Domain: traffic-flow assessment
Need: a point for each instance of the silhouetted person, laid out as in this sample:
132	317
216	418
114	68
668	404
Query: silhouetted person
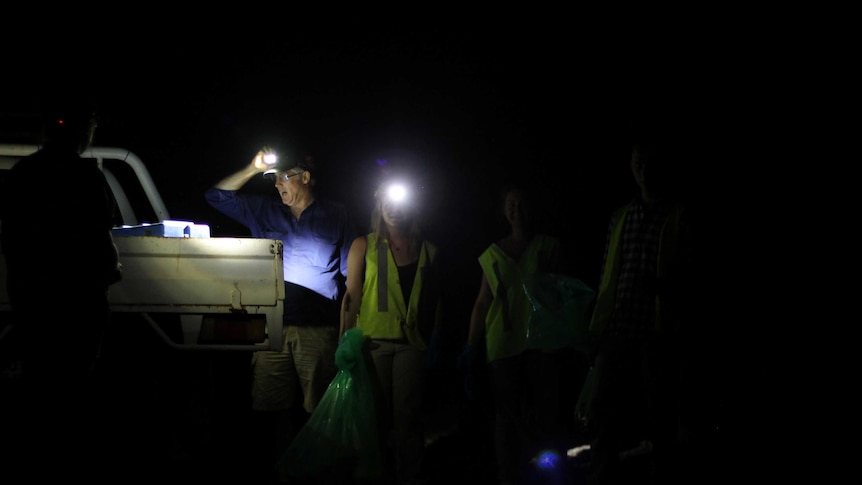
57	215
499	322
636	320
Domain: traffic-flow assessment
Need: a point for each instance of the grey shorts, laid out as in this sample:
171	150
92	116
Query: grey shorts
302	369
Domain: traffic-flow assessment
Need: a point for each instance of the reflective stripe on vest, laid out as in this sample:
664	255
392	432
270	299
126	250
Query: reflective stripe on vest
382	278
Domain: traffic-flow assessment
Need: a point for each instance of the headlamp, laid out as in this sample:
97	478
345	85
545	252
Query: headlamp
270	159
396	193
276	163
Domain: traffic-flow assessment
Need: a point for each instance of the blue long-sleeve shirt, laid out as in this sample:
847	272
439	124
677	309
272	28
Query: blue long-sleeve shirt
315	249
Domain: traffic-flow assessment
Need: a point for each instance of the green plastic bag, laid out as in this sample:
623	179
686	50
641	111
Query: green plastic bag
338	443
561	311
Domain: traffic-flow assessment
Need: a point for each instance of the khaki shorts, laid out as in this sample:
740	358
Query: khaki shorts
302	370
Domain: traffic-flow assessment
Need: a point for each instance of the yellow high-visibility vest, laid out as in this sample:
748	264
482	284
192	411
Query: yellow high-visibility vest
509	314
384	313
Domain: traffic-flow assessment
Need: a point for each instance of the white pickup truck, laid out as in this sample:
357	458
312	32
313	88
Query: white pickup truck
195	291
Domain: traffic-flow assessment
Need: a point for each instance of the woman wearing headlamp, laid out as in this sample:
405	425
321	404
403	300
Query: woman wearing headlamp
393	295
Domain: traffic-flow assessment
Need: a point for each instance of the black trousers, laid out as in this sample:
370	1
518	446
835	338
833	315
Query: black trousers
634	398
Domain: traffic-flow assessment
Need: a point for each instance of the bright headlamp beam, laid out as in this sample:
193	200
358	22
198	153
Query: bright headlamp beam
396	193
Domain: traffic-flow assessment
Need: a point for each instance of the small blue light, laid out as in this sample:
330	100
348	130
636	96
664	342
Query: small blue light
548	460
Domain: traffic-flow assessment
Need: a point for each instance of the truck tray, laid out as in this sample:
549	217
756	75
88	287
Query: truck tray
198	277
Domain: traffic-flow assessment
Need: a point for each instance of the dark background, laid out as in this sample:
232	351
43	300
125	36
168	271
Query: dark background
458	107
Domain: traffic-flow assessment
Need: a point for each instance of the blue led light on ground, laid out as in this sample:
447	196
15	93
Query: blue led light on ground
548	460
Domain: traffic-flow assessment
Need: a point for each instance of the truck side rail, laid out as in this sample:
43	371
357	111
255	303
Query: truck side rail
143	176
11	153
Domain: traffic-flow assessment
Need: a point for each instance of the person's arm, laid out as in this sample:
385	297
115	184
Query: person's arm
355	278
350	234
480	311
236	180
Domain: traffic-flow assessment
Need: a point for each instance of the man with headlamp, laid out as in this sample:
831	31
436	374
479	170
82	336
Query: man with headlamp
316	234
